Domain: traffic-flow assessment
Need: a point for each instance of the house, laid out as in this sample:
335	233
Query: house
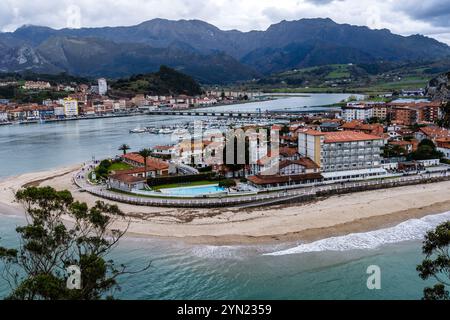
288	172
125	182
36	85
443	145
358	126
432	133
329	126
155	167
276	181
163	151
408	146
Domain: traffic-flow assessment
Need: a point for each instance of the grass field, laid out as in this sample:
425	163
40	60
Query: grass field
117	166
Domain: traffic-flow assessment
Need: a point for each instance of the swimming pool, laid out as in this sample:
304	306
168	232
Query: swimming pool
193	191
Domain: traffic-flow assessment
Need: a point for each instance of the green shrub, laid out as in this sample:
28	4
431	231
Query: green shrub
227	183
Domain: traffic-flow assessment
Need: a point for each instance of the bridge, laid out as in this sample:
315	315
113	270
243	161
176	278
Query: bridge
238	114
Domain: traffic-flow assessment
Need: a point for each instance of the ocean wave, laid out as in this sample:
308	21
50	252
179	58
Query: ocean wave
413	229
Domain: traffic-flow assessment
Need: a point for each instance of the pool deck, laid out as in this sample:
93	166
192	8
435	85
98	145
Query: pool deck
297	194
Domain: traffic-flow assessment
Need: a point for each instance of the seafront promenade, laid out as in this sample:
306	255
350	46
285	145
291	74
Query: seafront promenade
264	197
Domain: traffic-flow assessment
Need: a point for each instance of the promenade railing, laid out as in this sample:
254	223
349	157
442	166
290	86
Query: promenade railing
80	179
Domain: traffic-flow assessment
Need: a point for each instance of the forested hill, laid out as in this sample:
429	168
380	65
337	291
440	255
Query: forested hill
166	81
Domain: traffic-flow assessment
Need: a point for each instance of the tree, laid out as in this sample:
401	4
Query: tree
102	169
393	151
145	153
284	130
229	183
124	148
437	262
48	246
426	150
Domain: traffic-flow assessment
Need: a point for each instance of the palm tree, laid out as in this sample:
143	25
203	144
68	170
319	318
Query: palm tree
145	153
124	148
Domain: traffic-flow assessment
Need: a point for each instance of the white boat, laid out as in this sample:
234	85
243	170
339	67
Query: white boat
138	130
165	131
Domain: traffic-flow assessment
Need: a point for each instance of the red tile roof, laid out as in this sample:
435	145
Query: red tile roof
153	163
305	162
288	152
434	132
312	132
127	178
348	136
163	147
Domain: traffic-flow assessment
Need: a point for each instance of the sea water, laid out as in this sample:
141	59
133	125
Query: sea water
333	268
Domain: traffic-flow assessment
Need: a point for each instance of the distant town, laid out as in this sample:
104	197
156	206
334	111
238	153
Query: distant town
84	101
360	138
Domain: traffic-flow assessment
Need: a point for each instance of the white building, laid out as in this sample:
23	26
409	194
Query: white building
70	107
342	150
59	111
102	86
3	116
357	112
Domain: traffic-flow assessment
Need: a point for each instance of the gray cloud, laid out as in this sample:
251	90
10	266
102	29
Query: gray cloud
435	12
430	17
321	2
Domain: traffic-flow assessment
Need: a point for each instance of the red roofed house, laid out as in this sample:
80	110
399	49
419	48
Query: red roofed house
155	167
289	172
374	129
126	182
443	145
409	146
432	133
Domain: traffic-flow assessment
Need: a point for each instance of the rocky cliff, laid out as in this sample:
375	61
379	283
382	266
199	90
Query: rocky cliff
439	87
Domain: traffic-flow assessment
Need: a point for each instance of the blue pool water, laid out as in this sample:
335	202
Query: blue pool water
193	191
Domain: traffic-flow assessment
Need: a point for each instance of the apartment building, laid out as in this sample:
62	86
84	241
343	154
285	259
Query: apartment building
411	113
341	150
70	107
357	112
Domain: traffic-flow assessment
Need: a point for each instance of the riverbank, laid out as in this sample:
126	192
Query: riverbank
324	218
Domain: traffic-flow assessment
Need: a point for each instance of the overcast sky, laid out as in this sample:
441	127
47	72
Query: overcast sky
406	17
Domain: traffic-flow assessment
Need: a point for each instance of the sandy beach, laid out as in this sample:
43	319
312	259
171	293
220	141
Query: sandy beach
333	216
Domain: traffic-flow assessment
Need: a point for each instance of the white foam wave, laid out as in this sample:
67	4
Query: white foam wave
413	229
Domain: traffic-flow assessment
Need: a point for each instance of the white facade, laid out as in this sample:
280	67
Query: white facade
70	107
357	113
352	155
3	116
59	111
429	162
102	86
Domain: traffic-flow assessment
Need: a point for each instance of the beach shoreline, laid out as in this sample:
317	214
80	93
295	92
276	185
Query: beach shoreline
303	222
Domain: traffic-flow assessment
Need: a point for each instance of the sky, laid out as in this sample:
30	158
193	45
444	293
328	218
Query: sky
406	17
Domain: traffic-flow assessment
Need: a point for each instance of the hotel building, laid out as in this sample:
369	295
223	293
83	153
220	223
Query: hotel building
343	154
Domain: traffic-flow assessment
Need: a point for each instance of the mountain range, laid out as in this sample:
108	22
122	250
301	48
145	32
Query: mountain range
204	51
